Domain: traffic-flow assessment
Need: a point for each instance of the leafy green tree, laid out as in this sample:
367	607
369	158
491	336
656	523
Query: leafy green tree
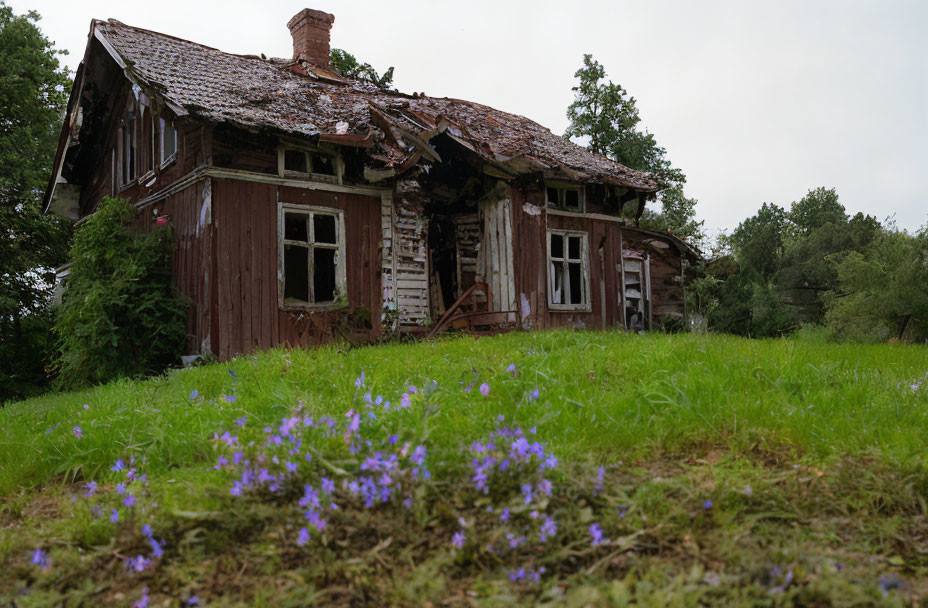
348	66
882	292
33	93
605	116
121	315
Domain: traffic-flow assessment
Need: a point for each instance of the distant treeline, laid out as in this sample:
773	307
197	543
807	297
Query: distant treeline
813	268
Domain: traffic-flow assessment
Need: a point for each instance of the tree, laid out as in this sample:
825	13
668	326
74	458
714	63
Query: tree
348	66
121	314
33	93
882	291
605	116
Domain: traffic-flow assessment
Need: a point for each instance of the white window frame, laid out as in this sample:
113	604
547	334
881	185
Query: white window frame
561	189
341	282
165	159
586	304
283	148
127	156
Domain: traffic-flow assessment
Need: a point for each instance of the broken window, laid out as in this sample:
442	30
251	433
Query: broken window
146	155
569	198
168	136
126	147
568	271
312	255
301	162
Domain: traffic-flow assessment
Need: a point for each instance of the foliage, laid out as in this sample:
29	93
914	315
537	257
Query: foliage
606	116
882	291
121	315
33	92
787	264
348	66
713	450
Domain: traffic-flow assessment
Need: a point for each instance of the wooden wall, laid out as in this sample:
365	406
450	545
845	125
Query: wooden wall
530	224
246	313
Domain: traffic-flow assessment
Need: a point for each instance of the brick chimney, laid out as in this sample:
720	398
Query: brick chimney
310	30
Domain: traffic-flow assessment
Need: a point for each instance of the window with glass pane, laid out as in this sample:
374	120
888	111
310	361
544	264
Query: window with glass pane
311	256
567	274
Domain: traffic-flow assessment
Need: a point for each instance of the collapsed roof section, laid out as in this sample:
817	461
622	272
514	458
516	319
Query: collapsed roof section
295	98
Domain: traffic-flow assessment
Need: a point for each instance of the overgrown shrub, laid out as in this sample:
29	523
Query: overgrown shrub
120	315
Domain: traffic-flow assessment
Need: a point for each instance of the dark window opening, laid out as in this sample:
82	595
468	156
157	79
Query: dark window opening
295	227
552	195
557	246
557	296
576	286
573	247
296	273
324	229
295	160
323	164
572	199
324	274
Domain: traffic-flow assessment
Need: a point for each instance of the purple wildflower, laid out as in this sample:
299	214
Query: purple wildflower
40	559
78	432
236	489
118	466
229	398
597	533
138	563
156	550
146	530
418	455
91	487
458	539
120	488
599	480
527	492
359	382
86	407
237	457
707	505
533	396
302	537
354	420
485	389
194	600
328	486
504	516
129	500
548	529
194	394
114	516
511	369
51	429
143	601
221	462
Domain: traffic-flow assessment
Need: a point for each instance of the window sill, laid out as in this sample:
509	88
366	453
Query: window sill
126	186
569	308
315	177
307	307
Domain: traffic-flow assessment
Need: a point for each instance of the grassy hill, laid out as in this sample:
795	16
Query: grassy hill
562	468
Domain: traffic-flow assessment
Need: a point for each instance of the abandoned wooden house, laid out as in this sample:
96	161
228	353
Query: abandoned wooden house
307	205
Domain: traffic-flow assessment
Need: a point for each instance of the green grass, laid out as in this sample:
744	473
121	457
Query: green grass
830	439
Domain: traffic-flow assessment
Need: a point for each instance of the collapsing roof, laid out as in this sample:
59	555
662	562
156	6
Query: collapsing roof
297	98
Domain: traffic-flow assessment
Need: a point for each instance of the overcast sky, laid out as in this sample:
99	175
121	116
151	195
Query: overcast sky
754	101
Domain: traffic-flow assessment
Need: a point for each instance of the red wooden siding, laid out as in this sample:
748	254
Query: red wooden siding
247	315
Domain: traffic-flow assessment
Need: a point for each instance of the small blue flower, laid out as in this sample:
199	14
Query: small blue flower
302	537
458	539
194	394
241	421
40	559
597	533
707	505
146	530
118	466
114	516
